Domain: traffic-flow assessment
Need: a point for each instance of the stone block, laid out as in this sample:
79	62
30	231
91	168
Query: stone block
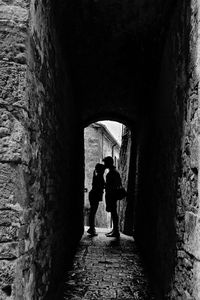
190	224
192	234
21	3
9	250
13	139
24	278
14	44
13	192
187	296
194	150
7	277
7	273
8	234
180	254
187	263
9	217
196	280
13	85
13	14
13	32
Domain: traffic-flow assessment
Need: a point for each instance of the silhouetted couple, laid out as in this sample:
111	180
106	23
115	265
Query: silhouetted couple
112	183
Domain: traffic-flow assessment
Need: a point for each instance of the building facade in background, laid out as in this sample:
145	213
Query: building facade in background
99	143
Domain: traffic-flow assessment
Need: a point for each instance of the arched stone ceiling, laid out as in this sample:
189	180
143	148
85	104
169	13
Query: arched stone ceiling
112	48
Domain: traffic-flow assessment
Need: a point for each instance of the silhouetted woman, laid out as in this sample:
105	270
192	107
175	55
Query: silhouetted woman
96	195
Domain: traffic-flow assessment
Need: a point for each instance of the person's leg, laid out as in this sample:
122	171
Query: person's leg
111	231
108	209
115	219
93	210
108	233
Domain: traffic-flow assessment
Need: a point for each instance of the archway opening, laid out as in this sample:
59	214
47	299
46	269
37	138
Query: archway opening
107	138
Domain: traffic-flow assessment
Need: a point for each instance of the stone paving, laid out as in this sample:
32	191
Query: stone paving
106	268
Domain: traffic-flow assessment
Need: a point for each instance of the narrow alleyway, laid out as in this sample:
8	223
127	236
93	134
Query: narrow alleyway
104	268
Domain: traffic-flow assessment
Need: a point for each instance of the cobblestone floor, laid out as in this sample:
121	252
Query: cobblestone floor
104	268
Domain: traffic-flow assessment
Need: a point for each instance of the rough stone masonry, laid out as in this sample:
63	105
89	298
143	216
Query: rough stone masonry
35	215
16	233
31	160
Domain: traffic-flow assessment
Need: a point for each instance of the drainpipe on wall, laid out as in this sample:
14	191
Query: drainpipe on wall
118	205
113	146
102	144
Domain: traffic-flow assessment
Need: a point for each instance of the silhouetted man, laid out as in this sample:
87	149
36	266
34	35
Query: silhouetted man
113	182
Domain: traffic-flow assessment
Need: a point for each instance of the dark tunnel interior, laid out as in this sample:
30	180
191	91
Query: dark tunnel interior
66	64
124	62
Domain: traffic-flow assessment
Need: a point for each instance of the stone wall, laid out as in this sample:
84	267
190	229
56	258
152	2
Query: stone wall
187	265
15	235
168	204
40	203
56	177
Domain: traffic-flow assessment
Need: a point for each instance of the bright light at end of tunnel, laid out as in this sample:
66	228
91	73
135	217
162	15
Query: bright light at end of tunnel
115	129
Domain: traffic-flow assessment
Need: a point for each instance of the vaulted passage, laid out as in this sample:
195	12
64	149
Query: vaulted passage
63	65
